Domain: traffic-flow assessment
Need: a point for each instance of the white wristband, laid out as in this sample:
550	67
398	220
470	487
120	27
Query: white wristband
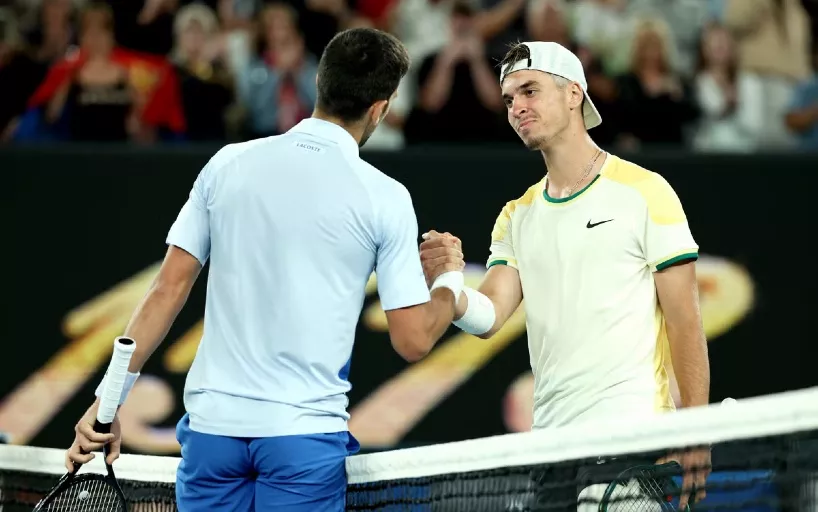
130	380
452	280
479	316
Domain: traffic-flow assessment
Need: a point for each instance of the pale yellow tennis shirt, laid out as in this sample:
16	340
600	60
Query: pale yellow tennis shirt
596	332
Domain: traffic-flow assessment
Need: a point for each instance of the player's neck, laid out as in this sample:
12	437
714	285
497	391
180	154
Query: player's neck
567	162
356	131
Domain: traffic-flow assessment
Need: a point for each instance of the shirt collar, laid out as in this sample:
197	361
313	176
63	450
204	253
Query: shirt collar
328	131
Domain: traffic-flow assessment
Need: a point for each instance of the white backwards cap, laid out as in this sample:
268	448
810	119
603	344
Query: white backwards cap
557	60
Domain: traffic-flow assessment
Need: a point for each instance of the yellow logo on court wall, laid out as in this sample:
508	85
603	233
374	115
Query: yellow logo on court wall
382	419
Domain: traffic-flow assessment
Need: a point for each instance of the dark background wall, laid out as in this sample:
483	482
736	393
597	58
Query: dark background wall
85	227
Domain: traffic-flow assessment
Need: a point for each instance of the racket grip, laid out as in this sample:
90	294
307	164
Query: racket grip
114	381
101	428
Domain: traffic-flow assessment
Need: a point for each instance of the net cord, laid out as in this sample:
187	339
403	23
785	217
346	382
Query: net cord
771	415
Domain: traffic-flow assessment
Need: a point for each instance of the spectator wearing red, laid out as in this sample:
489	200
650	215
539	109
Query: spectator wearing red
103	92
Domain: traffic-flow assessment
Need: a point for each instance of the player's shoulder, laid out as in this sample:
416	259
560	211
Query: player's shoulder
229	153
522	202
650	185
382	186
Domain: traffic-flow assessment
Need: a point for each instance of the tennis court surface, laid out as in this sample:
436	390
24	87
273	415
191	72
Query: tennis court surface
764	459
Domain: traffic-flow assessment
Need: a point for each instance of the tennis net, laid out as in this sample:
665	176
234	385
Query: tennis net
764	459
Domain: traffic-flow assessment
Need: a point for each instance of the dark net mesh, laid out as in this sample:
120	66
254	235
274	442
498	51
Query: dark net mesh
21	491
762	473
765	474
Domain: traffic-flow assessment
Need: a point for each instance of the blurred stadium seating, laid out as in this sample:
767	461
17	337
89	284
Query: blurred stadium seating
708	75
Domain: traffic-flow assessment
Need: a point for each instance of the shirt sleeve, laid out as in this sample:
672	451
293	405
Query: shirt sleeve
400	275
502	245
191	230
668	239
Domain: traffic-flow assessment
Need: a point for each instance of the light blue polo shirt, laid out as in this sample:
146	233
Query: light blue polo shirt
293	226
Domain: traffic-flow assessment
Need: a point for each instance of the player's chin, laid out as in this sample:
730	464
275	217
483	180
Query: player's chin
532	143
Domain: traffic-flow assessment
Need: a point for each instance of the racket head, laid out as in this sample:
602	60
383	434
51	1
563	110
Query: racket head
643	488
89	492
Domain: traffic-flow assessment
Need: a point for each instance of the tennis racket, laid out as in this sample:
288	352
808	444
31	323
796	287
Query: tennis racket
93	492
645	488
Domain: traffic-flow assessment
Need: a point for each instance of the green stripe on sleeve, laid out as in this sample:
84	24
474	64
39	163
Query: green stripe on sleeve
693	256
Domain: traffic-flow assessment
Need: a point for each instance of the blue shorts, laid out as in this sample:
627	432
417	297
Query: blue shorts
282	474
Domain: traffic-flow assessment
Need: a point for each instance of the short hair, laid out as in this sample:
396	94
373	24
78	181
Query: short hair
359	67
520	51
517	52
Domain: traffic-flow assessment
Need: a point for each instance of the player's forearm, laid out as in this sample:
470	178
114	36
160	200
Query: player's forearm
153	318
415	338
688	349
439	316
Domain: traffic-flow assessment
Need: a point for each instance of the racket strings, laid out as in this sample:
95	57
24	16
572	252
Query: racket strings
642	493
91	495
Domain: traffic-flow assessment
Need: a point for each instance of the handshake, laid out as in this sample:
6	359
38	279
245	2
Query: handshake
440	253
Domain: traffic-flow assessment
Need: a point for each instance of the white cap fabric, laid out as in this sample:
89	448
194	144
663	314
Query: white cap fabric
556	59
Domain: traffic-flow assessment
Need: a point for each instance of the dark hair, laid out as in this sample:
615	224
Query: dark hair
518	52
359	67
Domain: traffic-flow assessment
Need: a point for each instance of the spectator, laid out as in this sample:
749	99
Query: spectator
278	88
20	74
773	39
104	80
98	98
203	77
459	94
686	19
657	103
717	94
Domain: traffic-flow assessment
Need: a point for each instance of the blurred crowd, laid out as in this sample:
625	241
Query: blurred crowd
712	75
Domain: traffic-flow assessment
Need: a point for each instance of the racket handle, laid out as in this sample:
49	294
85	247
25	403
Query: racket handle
114	380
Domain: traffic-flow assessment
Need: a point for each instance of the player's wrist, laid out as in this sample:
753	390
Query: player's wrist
452	280
479	315
130	380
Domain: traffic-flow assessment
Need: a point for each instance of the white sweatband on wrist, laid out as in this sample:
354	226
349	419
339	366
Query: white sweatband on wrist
479	316
130	380
452	280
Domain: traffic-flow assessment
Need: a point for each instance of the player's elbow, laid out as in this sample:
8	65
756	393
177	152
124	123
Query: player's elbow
412	346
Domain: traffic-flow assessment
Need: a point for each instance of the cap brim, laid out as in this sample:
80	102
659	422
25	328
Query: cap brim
590	114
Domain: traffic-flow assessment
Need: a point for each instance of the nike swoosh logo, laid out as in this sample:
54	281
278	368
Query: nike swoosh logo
595	224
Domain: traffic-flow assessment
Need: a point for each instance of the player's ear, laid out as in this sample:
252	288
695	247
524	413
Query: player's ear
378	110
575	96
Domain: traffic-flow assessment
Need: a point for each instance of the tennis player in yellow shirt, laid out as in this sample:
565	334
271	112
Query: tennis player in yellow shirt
601	250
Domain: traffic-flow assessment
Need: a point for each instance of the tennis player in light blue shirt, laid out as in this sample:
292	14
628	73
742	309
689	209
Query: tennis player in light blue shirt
293	226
